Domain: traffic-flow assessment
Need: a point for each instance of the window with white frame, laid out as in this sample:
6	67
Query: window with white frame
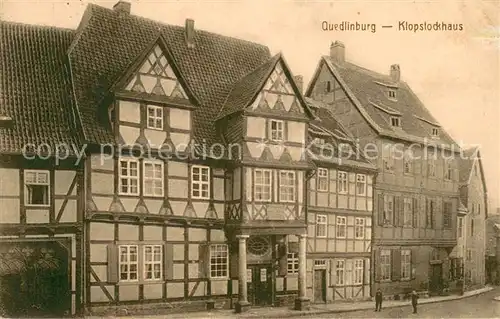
262	185
153	262
128	262
322	179
388	209
385	264
293	263
37	188
342	182
358	271
460	227
200	182
340	272
155	117
360	184
219	263
359	228
287	186
153	178
408	212
320	263
277	130
321	225
129	176
341	227
388	157
405	264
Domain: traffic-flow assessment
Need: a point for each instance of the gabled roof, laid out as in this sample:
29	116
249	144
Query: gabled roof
368	92
35	90
107	43
467	160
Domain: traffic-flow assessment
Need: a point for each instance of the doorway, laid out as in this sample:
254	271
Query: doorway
320	285
259	285
436	278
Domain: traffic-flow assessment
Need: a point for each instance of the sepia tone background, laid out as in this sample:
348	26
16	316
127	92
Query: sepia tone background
456	74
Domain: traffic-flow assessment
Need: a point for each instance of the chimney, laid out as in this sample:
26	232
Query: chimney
395	72
299	80
122	7
190	33
337	52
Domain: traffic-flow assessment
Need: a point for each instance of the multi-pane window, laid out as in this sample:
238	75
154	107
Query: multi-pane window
448	174
408	212
292	263
388	158
429	216
405	264
321	225
392	94
385	264
360	184
262	185
219	261
200	182
408	163
340	272
342	182
276	130
341	227
287	186
446	215
128	263
153	178
129	177
320	263
388	209
37	184
359	228
456	268
322	179
358	272
155	117
395	121
460	227
153	262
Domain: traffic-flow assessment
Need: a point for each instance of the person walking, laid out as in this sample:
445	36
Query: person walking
414	300
378	300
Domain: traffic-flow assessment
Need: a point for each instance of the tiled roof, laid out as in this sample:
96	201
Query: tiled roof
466	163
370	90
34	88
107	43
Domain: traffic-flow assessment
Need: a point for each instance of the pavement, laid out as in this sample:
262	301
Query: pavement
364	309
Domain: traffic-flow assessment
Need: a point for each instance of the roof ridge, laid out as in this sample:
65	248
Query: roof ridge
36	26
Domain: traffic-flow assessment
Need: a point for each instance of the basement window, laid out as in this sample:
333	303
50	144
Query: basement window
395	121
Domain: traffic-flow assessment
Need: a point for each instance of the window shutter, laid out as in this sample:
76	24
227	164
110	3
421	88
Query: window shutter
413	259
396	264
204	260
113	267
380	209
283	260
395	210
333	272
169	261
377	265
415	213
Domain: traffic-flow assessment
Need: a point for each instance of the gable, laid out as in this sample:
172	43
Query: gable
156	76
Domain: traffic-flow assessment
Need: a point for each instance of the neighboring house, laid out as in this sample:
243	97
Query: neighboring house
492	255
458	254
416	198
340	213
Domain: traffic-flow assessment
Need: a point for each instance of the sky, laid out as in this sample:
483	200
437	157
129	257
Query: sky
455	73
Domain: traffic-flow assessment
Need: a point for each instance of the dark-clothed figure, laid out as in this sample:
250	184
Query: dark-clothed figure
414	301
378	300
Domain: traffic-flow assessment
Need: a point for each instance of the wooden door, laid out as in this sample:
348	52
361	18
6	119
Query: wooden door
436	278
320	285
259	287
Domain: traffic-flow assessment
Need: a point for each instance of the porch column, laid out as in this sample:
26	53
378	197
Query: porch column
242	304
302	303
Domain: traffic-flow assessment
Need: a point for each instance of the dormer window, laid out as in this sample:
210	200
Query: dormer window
395	122
435	132
392	94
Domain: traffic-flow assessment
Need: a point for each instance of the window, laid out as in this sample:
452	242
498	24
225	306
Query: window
342	183
360	184
479	209
129	177
358	271
385	264
431	167
456	268
287	186
408	212
322	179
153	178
472	227
37	184
128	263
153	262
388	209
293	263
200	182
395	121
469	255
435	132
340	273
448	175
429	216
155	117
460	227
408	163
276	130
320	263
446	215
359	229
218	261
328	86
392	94
405	264
321	225
388	158
341	227
262	184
